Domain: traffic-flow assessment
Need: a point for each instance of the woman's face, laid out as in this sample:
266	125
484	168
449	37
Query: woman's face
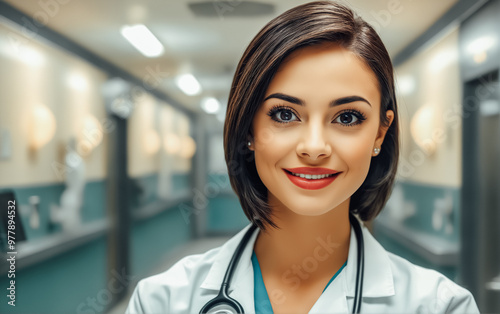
322	114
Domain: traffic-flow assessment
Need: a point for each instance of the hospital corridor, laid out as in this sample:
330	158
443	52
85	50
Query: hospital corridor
148	147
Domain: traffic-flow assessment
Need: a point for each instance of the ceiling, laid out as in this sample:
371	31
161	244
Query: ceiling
208	47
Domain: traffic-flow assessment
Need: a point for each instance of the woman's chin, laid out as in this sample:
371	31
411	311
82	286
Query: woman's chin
312	211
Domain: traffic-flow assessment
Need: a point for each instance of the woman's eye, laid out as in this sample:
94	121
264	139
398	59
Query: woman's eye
284	115
349	118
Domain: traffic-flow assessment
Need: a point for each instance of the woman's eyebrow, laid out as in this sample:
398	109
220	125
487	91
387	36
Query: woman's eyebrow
333	103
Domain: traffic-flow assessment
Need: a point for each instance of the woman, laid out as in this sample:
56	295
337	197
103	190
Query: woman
310	138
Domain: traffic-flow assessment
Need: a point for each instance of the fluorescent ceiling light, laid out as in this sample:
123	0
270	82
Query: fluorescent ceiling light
188	84
210	105
480	45
143	40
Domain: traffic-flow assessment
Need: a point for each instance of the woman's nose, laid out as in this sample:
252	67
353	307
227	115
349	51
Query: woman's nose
314	144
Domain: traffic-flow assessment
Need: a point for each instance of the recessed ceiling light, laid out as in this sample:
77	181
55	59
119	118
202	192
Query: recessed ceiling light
143	40
480	44
479	47
188	84
210	105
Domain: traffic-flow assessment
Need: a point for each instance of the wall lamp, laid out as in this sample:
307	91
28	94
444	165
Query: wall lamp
42	126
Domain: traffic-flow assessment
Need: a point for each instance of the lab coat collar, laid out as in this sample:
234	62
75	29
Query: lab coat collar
241	286
378	277
216	274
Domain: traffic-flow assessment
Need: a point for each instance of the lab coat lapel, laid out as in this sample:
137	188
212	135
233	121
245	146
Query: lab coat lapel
241	286
337	298
378	278
242	289
333	299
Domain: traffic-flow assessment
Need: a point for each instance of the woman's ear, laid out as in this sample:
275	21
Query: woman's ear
250	145
382	130
249	142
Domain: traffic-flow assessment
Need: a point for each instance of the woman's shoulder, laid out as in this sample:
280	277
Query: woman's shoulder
153	294
158	293
430	290
184	269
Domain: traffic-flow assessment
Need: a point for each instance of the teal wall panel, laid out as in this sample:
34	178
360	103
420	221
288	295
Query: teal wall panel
48	194
226	215
144	189
423	197
63	283
67	283
93	207
181	182
95	201
153	239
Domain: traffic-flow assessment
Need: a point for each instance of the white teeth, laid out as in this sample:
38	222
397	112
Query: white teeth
312	176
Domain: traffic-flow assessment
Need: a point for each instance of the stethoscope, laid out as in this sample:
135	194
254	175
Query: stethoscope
224	304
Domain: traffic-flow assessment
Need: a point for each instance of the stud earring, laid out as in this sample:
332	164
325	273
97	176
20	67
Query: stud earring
376	150
249	143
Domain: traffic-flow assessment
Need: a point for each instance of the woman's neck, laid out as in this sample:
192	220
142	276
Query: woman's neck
305	249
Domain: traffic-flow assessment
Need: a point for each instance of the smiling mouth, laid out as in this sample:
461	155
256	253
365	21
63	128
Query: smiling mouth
311	181
312	176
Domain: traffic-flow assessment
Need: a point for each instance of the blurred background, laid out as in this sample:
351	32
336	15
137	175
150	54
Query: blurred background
111	155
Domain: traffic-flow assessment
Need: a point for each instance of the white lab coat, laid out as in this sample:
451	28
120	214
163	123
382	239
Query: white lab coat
391	284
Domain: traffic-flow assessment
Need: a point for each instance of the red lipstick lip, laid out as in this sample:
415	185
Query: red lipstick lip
310	170
310	184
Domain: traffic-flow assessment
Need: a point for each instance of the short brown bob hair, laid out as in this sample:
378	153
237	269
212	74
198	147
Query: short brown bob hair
305	25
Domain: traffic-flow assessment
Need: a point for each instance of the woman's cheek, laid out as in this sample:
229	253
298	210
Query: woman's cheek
355	151
274	139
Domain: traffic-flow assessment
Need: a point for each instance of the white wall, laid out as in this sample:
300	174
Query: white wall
431	78
35	73
148	127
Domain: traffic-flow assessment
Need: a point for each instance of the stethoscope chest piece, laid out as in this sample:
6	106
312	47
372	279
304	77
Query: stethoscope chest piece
222	309
222	304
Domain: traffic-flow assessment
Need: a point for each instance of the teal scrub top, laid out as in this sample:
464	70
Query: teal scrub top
261	298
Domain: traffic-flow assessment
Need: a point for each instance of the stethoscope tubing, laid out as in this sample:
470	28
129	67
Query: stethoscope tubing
358	292
223	297
223	303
